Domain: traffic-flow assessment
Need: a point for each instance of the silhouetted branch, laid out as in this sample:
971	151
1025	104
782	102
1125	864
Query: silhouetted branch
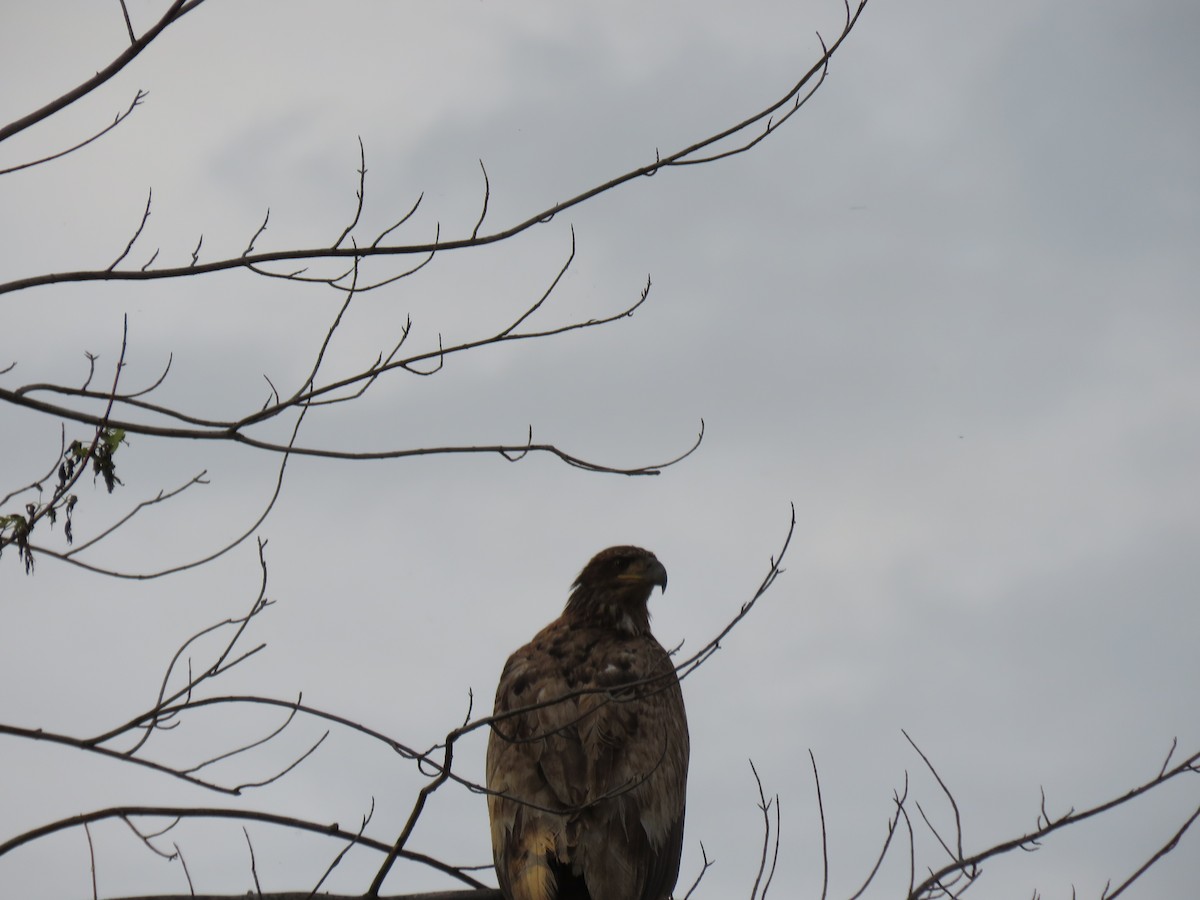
177	10
331	829
770	841
941	881
824	834
692	154
120	117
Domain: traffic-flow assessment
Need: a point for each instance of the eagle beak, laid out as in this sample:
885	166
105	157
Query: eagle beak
651	572
656	573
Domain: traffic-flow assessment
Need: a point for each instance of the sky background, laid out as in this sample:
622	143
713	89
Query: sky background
949	312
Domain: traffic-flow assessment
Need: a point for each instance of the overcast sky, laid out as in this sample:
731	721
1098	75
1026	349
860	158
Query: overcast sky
949	312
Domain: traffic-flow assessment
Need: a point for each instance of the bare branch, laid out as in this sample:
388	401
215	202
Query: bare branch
160	497
969	863
253	863
692	154
361	193
136	234
177	10
487	195
92	856
332	830
824	833
120	117
1159	854
342	853
194	267
765	806
186	873
128	23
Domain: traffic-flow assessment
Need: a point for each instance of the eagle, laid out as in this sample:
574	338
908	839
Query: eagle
588	751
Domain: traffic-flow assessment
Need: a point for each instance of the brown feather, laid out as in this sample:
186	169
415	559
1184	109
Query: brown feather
588	789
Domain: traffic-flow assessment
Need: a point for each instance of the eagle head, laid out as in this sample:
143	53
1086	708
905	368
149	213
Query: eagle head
615	586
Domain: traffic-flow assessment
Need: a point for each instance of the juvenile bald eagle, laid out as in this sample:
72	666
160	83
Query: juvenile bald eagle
588	775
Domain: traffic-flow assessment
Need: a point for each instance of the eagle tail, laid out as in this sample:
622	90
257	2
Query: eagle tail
531	876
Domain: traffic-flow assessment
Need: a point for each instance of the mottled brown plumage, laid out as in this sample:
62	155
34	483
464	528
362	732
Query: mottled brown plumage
588	788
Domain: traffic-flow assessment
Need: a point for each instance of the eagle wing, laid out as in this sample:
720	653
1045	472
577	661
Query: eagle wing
589	787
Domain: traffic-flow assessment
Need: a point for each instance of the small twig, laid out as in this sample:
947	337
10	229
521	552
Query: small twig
160	497
136	234
824	833
128	23
765	806
487	195
120	117
1159	854
899	799
342	853
92	856
705	863
360	194
250	246
186	873
949	796
253	863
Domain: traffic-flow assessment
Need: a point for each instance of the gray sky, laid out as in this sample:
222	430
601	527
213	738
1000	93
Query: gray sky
949	312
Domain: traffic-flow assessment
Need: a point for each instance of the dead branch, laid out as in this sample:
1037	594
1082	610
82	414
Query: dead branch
177	10
941	882
741	135
331	830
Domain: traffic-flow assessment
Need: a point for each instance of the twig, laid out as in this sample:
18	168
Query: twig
253	863
824	833
331	830
92	857
793	99
120	117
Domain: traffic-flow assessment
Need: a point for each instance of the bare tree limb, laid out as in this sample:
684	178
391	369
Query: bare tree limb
177	10
689	155
120	117
331	830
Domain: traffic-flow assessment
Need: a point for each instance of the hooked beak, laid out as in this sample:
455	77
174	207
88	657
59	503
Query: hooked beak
652	572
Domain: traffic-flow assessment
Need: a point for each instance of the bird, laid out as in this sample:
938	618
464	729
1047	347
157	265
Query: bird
588	748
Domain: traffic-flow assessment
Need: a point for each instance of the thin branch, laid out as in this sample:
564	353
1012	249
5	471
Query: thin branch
765	806
899	799
152	716
36	485
147	837
408	215
360	194
92	857
195	563
186	873
253	863
1159	854
824	833
332	830
487	195
231	753
160	497
949	796
249	246
128	23
177	10
120	117
690	154
704	866
1188	766
136	234
39	734
342	853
